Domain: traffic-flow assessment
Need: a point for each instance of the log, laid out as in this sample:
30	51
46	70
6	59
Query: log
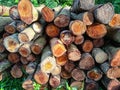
48	62
27	12
26	35
104	13
95	74
31	67
57	10
47	14
69	66
105	67
77	84
14	57
37	27
79	39
114	22
64	74
62	60
81	5
31	58
11	43
24	60
86	17
13	13
87	46
54	81
96	31
78	74
73	53
77	27
4	10
25	50
4	21
63	18
56	70
20	26
16	71
86	62
38	45
52	30
5	35
3	75
98	42
11	28
57	47
99	55
113	72
66	37
3	56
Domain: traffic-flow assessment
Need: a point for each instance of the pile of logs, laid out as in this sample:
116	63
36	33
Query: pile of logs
80	43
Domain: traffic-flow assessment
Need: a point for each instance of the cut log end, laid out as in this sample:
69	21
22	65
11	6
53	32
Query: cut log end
79	39
23	37
98	42
36	49
28	85
14	57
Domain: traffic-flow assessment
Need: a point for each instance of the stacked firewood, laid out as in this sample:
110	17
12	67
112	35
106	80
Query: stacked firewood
78	43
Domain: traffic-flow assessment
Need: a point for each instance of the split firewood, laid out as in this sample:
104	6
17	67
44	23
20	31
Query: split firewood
12	43
77	84
25	50
16	71
86	17
48	62
14	57
28	83
28	13
77	27
79	39
99	55
86	62
78	74
11	28
63	18
3	56
113	73
26	35
52	30
81	5
105	67
96	31
47	14
115	21
66	37
74	53
98	42
65	74
54	81
57	47
4	21
4	10
62	60
24	60
14	13
104	13
95	74
56	70
30	68
87	46
20	26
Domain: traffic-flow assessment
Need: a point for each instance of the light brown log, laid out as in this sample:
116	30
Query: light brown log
13	57
64	74
115	21
74	53
11	28
95	74
57	47
52	30
13	11
66	37
11	43
78	74
47	14
86	17
54	81
113	73
96	31
26	35
31	58
77	84
104	13
27	11
56	70
16	71
41	77
25	50
77	27
86	62
69	66
98	42
38	45
48	62
4	10
31	67
79	39
63	18
20	26
62	59
99	55
37	27
24	60
3	56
